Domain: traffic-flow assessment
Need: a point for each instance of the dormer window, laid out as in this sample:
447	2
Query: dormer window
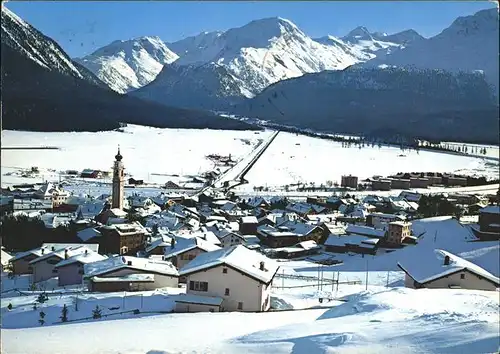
224	270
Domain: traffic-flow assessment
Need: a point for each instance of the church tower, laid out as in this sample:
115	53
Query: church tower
118	182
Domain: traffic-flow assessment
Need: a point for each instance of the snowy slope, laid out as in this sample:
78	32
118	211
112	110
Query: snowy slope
35	46
253	57
382	101
128	65
469	43
378	321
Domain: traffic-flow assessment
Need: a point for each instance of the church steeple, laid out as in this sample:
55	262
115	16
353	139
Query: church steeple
118	182
118	156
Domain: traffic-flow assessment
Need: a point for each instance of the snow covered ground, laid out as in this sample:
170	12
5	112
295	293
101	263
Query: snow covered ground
290	158
395	320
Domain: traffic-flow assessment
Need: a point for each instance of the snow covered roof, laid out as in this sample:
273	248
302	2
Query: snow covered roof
112	264
88	233
491	209
205	235
336	240
238	257
83	257
434	268
199	299
249	220
183	244
5	257
364	230
308	245
298	227
163	241
142	278
386	216
61	252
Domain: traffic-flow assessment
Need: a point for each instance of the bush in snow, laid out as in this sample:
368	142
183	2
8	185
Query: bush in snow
42	298
42	316
64	314
9	306
96	313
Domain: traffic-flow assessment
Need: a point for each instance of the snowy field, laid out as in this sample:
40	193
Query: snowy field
290	158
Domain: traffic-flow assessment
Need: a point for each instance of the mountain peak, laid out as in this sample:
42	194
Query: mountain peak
359	31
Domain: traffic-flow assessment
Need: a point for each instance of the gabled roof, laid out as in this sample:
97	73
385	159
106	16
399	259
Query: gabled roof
88	233
61	252
183	244
434	268
5	257
83	258
112	264
237	257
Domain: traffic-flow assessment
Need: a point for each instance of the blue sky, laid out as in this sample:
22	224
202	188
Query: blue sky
82	27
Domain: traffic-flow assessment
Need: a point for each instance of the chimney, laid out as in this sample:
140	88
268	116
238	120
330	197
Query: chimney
129	263
53	248
447	260
66	254
43	250
86	251
172	243
261	267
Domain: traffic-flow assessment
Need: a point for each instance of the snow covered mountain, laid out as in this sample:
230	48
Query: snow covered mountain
469	44
43	89
33	45
365	45
426	103
253	57
129	65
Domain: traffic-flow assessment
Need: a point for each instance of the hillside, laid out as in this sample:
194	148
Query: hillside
423	103
43	89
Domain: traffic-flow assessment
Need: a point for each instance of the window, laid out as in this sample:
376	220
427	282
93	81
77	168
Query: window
226	292
191	257
240	306
224	270
462	276
80	271
53	261
54	270
198	285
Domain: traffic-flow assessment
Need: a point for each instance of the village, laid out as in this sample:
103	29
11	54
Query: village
213	251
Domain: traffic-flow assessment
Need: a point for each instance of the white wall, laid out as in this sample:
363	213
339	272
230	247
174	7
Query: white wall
43	270
241	288
160	281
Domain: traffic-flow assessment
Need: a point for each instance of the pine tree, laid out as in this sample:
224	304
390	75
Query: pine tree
9	306
42	298
42	316
64	314
96	313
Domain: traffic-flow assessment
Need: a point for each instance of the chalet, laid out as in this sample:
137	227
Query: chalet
43	267
88	173
275	238
53	193
124	273
70	270
182	250
352	243
159	245
365	231
20	261
241	277
123	239
447	270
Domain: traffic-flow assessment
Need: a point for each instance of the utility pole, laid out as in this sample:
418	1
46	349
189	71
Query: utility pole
387	283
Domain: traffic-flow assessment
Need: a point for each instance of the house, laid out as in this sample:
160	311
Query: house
489	219
89	234
70	271
125	273
257	202
238	275
89	210
182	250
349	182
419	182
159	245
397	232
112	216
54	193
248	225
136	201
400	183
124	239
351	243
21	261
43	267
410	196
89	173
302	249
380	220
230	238
365	231
446	270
